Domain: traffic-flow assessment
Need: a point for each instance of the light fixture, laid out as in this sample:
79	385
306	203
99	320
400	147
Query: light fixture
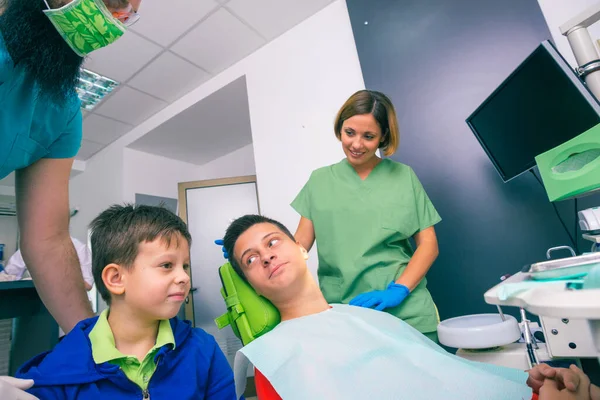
92	87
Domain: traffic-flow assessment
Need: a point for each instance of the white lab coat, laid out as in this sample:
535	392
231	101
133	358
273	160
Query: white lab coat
16	265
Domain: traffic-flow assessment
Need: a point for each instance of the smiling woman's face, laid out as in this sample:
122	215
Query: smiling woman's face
361	136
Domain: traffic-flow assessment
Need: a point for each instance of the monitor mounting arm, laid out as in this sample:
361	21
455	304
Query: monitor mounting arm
583	47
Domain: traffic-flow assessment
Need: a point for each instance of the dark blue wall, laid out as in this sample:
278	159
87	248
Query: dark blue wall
438	60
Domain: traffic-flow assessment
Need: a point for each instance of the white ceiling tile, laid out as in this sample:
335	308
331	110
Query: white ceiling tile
216	125
273	17
123	58
130	106
103	130
173	20
88	149
169	77
218	42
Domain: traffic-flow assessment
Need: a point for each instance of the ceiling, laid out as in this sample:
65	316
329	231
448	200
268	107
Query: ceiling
175	47
218	124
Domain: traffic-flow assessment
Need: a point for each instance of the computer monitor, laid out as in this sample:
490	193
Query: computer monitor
541	105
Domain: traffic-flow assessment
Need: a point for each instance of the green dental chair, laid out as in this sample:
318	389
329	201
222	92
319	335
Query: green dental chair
249	314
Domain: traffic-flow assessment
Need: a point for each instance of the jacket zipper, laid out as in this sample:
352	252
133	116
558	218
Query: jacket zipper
146	392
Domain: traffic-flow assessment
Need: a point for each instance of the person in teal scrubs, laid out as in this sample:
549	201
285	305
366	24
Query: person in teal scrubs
362	212
42	46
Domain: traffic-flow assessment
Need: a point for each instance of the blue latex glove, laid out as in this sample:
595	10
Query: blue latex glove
382	299
219	242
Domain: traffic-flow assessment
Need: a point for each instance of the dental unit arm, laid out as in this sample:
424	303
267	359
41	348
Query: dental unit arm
583	47
588	61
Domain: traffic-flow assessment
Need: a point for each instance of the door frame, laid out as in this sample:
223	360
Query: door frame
182	188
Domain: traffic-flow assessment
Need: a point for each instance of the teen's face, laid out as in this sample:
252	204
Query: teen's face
270	260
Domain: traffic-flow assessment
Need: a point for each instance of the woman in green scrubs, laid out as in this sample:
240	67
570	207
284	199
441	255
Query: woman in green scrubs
362	212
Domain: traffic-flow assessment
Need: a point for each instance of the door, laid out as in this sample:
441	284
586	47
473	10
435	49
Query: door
208	207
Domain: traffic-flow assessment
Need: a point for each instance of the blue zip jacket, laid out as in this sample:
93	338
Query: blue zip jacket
195	369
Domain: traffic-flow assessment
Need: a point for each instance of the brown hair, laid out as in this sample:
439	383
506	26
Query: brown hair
382	109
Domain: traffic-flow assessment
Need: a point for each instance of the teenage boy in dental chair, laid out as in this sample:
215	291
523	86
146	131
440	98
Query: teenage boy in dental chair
345	352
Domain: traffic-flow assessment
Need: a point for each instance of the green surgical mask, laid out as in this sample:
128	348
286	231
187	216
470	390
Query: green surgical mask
86	25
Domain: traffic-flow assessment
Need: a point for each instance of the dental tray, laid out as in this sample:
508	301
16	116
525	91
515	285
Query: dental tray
564	268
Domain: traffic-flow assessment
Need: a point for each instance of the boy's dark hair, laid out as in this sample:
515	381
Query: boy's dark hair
241	225
118	231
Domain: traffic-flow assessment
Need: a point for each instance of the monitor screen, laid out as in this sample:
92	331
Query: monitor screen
541	105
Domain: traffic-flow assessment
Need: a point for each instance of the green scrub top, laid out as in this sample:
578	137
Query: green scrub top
362	229
31	126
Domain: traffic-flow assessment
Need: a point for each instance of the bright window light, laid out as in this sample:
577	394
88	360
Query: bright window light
92	87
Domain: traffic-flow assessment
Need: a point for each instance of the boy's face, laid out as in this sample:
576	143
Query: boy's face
271	261
158	282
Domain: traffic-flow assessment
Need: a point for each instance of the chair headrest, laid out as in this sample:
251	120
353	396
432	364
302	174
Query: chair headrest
249	314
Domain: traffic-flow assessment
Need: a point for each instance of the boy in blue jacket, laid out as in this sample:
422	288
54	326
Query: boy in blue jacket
137	348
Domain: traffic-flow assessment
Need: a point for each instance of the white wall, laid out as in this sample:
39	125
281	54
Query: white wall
296	84
158	176
237	163
8	235
6	190
100	186
119	174
557	12
153	175
316	65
